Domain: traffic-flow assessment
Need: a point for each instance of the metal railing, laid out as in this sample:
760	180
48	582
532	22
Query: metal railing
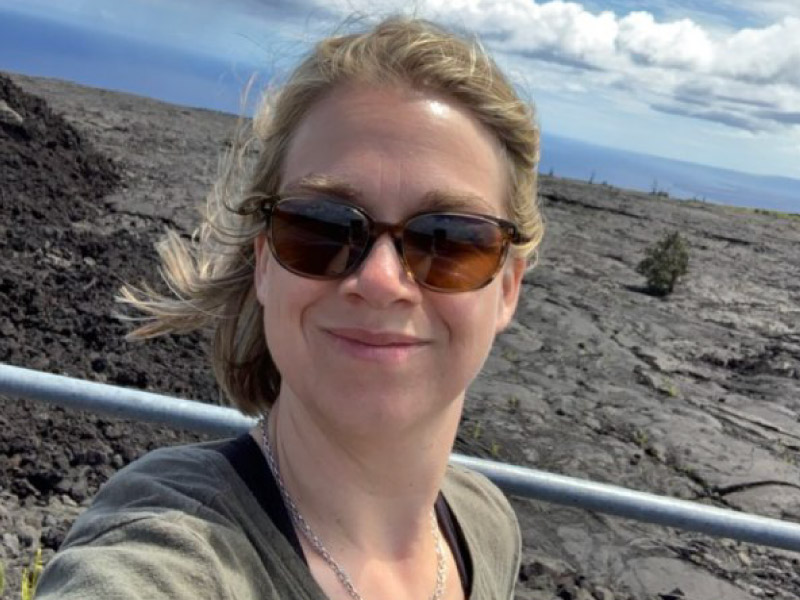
514	480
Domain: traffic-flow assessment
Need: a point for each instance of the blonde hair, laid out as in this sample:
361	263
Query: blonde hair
211	279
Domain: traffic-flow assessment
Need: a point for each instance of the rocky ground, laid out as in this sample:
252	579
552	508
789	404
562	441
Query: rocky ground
694	396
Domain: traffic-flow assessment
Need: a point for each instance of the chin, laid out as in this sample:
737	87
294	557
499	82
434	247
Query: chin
381	413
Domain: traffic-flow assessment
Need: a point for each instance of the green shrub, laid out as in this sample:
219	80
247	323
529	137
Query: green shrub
664	263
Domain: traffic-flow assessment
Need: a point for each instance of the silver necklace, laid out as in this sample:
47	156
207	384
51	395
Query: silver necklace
319	547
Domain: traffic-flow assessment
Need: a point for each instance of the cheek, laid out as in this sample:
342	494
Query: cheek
471	323
284	298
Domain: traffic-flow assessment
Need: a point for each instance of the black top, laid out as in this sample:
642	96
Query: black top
248	461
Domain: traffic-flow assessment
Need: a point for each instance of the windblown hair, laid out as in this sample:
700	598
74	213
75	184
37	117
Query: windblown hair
212	278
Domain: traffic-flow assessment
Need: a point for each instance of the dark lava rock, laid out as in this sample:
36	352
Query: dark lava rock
700	388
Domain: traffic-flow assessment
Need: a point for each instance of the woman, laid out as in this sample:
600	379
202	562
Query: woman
355	285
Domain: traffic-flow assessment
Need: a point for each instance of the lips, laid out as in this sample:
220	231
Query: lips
376	338
383	348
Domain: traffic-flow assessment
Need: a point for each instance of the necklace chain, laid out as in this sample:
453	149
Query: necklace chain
319	547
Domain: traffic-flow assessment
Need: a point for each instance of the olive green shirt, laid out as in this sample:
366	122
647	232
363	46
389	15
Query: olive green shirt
180	523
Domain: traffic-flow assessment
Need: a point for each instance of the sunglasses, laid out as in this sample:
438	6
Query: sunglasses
322	238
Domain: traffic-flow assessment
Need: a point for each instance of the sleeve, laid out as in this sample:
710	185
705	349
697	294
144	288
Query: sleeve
144	558
508	538
492	528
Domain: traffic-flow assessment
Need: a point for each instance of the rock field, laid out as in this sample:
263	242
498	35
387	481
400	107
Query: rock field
694	396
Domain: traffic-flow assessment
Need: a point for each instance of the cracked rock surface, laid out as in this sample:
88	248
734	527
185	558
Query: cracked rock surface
694	396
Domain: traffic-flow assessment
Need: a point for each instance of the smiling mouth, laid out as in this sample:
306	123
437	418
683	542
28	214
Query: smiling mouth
376	339
386	348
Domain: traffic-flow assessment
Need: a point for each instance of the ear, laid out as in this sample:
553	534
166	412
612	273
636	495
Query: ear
511	284
262	255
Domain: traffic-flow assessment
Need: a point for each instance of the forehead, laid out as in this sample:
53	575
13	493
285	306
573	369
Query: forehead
395	148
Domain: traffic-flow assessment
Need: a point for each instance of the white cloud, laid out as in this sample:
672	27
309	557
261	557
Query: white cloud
742	78
741	69
555	31
771	54
680	44
567	32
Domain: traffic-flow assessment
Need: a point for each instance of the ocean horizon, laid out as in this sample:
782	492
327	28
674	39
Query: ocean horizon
575	159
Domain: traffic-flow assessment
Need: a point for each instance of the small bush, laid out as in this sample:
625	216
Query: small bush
664	263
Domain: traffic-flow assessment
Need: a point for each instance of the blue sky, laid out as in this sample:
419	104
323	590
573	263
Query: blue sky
715	82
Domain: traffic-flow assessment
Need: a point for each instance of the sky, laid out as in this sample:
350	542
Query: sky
715	82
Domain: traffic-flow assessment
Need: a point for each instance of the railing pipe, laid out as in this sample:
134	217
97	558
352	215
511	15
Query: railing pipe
514	480
640	506
121	402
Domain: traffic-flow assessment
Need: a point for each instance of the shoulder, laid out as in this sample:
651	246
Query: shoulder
185	479
159	526
177	523
477	496
490	529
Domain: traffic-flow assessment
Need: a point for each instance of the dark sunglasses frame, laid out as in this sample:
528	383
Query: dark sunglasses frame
375	229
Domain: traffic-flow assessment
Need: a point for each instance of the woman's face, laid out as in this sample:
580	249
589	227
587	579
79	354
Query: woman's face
374	353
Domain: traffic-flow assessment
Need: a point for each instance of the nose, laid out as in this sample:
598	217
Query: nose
381	279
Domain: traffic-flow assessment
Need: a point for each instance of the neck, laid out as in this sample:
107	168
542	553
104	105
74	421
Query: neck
346	485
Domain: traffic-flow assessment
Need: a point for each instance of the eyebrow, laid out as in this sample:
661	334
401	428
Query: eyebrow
433	200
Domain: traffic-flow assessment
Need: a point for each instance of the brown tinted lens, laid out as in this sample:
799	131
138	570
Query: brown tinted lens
453	252
317	238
